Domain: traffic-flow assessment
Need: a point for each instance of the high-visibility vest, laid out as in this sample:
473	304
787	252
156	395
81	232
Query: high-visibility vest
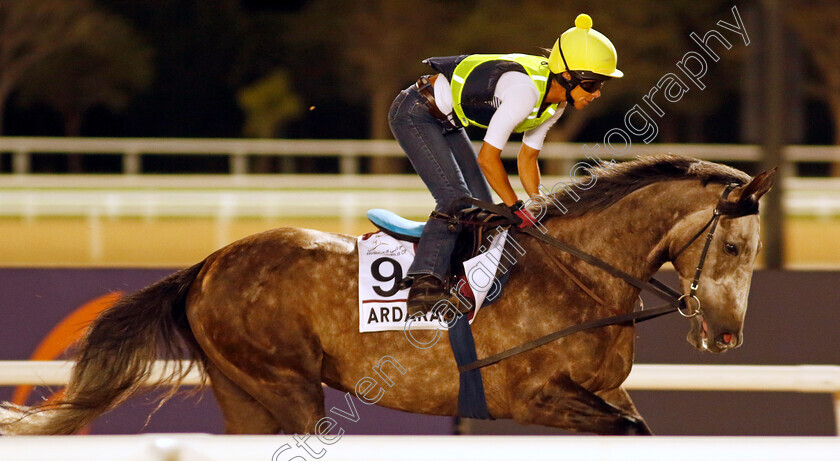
473	83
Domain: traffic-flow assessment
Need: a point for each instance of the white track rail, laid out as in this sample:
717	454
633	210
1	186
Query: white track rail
349	151
755	378
280	196
202	447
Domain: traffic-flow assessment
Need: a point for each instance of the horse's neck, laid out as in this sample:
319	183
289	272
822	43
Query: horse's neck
634	233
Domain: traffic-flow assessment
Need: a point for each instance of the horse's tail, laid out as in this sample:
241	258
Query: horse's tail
116	356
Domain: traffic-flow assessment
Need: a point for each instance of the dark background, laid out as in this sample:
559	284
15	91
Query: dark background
793	319
345	62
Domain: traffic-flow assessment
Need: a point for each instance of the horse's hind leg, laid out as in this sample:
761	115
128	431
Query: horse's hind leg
243	414
262	370
295	401
563	403
289	403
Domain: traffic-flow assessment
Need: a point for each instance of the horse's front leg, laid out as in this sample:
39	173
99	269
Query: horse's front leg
618	397
561	402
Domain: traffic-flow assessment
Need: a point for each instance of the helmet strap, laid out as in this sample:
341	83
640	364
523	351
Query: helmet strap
567	85
570	84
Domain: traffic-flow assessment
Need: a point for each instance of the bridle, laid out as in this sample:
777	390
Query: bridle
676	301
695	284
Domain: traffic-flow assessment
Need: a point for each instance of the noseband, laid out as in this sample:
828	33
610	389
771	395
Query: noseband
675	300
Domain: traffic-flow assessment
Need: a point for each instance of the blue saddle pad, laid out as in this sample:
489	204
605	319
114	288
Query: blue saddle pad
396	226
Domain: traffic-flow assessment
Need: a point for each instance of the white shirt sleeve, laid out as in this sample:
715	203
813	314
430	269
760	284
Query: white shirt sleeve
443	94
517	96
534	137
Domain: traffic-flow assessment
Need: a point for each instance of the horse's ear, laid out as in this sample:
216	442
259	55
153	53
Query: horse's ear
744	200
759	185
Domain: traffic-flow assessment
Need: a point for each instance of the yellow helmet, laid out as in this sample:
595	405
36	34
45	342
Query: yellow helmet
584	49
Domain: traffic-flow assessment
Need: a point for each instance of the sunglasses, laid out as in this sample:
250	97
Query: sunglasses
591	86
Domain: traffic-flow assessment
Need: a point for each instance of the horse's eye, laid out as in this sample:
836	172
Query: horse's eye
731	249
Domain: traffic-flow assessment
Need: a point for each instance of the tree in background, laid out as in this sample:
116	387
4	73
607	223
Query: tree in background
56	48
32	31
374	48
199	66
107	67
349	59
269	104
655	36
817	24
379	45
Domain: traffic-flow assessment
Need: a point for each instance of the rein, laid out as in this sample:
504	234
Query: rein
674	299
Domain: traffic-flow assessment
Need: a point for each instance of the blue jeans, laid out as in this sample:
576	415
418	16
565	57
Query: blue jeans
446	161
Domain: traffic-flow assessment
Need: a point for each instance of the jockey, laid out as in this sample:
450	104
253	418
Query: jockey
504	94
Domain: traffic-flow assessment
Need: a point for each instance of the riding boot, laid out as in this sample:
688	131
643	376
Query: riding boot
425	292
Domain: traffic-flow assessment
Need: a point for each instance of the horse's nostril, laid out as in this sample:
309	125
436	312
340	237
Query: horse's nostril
725	340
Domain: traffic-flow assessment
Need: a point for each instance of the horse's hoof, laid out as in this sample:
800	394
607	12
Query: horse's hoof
634	426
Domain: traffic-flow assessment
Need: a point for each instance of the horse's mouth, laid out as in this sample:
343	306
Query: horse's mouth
700	337
704	334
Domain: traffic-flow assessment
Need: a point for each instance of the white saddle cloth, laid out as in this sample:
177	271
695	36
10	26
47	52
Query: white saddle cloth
384	261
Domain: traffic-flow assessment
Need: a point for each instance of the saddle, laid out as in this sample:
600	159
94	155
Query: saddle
476	228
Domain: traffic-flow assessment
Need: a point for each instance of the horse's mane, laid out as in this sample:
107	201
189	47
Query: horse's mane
615	181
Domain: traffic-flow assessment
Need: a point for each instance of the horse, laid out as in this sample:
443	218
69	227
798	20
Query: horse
271	318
